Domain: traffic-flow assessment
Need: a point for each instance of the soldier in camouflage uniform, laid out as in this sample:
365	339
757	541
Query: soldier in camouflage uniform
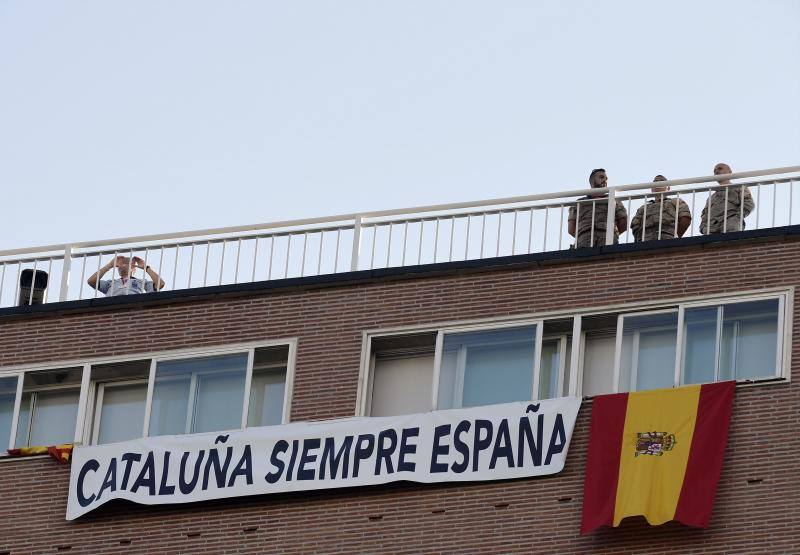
590	215
726	216
662	216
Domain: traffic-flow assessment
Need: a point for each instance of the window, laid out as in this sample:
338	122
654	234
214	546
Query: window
599	340
699	344
648	349
454	368
198	395
121	411
120	398
556	358
191	394
8	393
402	374
49	407
268	386
737	340
487	367
105	403
555	361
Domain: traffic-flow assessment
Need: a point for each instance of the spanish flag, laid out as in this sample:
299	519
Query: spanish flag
657	454
61	453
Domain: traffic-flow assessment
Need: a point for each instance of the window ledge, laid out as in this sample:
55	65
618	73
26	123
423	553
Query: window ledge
8	458
740	384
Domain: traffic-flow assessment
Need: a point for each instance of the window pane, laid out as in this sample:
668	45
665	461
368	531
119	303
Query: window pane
209	391
402	385
24	421
647	360
487	367
54	415
548	373
598	363
170	405
699	352
447	379
122	413
220	398
749	340
266	397
48	416
567	365
8	392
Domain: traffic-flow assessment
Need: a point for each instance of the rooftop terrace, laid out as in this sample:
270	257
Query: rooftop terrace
461	231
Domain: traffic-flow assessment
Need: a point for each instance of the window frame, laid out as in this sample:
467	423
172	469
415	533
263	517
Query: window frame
34	397
366	377
190	414
563	340
784	295
287	390
620	333
371	382
439	353
88	397
782	364
20	374
97	403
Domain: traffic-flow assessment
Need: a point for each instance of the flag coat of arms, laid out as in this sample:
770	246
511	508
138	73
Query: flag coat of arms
657	454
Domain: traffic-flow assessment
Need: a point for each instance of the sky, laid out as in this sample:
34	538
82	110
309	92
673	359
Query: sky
133	118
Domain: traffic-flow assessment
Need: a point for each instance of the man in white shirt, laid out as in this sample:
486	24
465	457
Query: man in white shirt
126	284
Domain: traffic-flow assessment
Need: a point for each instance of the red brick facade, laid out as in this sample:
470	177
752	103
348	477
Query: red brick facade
758	501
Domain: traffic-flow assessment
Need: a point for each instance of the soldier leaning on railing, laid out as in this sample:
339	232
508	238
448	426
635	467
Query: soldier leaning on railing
728	206
591	215
662	217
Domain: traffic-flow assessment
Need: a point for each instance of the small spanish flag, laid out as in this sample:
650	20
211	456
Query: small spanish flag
61	453
657	454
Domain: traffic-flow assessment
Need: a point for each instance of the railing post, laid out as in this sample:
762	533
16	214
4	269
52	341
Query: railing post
65	269
610	220
356	244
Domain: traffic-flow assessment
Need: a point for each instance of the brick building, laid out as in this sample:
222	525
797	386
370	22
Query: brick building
374	341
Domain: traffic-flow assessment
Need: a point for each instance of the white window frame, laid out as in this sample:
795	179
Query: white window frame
12	436
635	348
577	370
782	363
784	294
81	388
562	359
781	352
250	351
87	401
190	412
97	401
286	415
437	365
366	377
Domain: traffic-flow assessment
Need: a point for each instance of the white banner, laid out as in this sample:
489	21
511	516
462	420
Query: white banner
497	442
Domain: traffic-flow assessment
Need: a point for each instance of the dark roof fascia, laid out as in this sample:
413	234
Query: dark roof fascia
403	272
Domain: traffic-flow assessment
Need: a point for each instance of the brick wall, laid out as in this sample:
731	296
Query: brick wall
757	503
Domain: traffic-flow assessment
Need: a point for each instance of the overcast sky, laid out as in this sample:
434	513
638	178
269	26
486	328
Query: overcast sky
131	118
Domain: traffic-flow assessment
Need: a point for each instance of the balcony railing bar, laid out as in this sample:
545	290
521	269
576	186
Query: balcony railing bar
392	212
182	244
381	228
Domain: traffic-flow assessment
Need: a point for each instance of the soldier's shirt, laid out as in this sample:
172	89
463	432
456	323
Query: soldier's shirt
664	209
590	215
726	216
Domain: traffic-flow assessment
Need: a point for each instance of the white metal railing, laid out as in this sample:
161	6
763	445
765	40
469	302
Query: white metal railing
387	238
